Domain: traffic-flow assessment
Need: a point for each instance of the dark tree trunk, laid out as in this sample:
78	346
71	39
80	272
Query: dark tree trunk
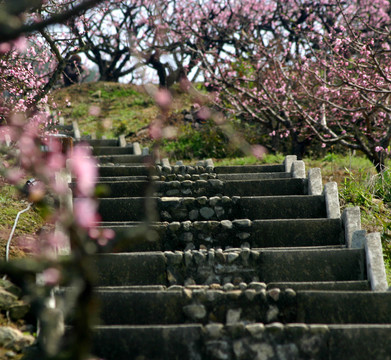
299	147
154	61
377	160
106	76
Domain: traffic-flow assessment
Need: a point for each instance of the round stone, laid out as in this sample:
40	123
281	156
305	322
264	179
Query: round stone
226	224
242	223
207	212
274	293
202	200
231	257
214	200
174	226
195	311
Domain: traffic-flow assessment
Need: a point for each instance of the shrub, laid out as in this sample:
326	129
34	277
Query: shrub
207	141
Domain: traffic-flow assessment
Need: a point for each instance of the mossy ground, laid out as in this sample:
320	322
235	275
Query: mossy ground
29	223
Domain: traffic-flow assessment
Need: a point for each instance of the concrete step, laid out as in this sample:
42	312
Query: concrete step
136	236
100	142
233	265
353	285
200	305
110	179
225	208
249	169
268	187
344	307
124	170
357	285
112	150
122	159
243	341
160	342
254	176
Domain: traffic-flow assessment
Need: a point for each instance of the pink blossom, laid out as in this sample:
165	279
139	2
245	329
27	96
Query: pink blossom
94	110
155	130
204	113
55	162
163	98
258	151
14	175
84	168
57	240
85	212
108	234
51	276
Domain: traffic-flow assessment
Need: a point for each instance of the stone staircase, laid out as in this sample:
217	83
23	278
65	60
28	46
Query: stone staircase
233	262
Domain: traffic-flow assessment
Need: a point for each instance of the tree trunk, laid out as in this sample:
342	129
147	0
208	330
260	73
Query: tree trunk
106	76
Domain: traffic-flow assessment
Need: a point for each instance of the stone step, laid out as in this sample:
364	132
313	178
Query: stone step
249	169
149	342
243	341
353	285
100	142
225	208
137	236
112	179
112	150
233	265
357	285
359	307
209	188
199	305
124	170
122	159
254	176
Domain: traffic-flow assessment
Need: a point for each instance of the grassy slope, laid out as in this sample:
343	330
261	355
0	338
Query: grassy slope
111	109
11	202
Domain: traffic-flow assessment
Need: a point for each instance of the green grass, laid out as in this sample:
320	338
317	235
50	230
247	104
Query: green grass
122	108
28	223
80	111
251	160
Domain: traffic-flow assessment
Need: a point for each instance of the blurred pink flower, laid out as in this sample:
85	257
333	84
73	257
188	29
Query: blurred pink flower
60	186
258	151
51	276
93	233
85	212
56	240
163	98
155	130
14	175
84	168
204	113
108	234
8	133
94	110
55	162
29	244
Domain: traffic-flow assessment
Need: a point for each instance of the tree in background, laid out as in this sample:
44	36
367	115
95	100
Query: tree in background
305	71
